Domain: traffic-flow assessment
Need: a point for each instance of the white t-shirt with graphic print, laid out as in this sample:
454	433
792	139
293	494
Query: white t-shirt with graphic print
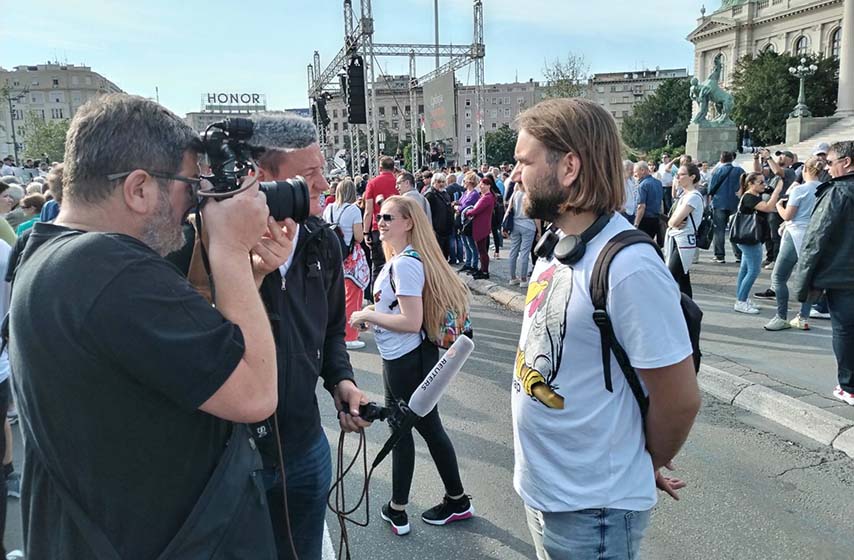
592	453
408	281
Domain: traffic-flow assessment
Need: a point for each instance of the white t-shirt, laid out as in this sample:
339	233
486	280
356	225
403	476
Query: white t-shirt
631	188
592	453
666	177
803	197
346	216
408	281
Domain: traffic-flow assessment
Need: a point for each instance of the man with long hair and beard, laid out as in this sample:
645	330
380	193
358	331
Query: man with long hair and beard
587	465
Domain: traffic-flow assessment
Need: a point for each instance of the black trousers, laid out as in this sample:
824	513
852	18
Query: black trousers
401	377
674	264
4	407
772	246
377	256
649	225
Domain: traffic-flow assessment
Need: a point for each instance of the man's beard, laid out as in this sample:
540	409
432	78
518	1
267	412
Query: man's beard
161	233
546	198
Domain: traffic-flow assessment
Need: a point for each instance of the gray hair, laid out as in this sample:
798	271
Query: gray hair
34	188
9	179
452	179
345	193
627	163
843	149
16	192
116	133
641	165
283	131
437	177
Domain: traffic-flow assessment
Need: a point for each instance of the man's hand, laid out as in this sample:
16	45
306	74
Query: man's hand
669	484
237	222
346	391
274	248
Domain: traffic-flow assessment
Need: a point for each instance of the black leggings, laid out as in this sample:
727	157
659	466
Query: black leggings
674	263
5	397
401	377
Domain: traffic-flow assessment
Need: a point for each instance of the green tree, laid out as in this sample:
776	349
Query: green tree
665	113
765	92
500	145
44	137
566	78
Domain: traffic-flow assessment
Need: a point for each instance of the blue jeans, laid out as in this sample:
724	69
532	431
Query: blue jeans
308	477
589	534
521	240
787	258
841	303
471	251
456	248
751	261
720	219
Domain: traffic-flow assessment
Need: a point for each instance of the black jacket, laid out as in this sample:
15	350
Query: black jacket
307	315
441	210
827	255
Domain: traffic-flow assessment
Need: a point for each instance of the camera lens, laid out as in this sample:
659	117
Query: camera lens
287	199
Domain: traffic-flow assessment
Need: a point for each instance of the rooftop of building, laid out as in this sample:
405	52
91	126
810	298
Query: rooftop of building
634	75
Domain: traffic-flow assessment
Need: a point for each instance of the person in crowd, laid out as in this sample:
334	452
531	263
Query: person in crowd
665	175
7	234
649	200
631	192
497	216
346	215
304	294
442	212
31	205
50	210
379	188
753	186
568	154
680	245
820	151
796	211
723	192
481	213
455	191
521	238
8	168
10	201
406	187
466	202
705	176
143	354
827	260
412	296
782	168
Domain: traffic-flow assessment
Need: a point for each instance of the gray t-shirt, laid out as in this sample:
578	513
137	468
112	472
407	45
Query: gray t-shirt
520	219
422	202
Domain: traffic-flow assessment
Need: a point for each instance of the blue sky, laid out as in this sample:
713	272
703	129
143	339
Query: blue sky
189	47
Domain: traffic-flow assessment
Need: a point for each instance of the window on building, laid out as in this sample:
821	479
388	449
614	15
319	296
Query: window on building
336	139
493	113
468	113
382	111
57	97
57	113
40	113
55	82
408	109
421	109
626	99
468	126
335	127
35	82
494	100
468	151
802	46
614	114
468	102
625	114
520	101
613	89
345	126
501	101
835	40
507	100
334	113
494	126
600	89
507	111
468	139
394	111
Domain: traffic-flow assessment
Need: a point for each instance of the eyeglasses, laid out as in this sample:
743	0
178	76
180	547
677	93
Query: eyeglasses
385	218
193	183
832	162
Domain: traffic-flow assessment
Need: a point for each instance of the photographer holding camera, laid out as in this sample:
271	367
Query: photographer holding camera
132	441
304	297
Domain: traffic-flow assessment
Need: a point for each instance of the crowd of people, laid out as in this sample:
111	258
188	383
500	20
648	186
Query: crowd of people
163	329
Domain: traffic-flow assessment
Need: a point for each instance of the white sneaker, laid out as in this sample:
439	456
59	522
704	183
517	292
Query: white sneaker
354	344
843	395
777	324
523	284
816	314
15	555
513	281
745	307
800	323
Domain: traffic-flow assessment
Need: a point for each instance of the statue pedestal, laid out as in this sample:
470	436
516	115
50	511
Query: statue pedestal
799	129
705	143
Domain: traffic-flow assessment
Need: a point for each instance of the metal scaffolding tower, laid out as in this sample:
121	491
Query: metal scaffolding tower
359	39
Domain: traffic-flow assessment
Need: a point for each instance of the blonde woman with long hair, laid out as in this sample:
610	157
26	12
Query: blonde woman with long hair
412	295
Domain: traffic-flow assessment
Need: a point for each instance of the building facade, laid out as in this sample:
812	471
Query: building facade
749	27
618	92
50	91
502	103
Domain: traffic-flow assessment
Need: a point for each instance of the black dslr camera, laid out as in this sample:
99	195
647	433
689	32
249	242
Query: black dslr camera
231	156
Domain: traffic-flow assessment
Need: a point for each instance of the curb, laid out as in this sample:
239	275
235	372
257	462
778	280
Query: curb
806	419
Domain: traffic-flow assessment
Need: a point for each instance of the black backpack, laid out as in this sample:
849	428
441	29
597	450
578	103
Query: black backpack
598	294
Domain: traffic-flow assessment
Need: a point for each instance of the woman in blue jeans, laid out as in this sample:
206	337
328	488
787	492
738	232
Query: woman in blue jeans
521	238
796	211
753	186
468	200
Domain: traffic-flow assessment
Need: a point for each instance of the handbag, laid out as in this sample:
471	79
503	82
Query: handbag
745	228
507	222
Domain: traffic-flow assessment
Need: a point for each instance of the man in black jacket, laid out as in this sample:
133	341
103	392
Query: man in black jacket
304	297
827	260
442	212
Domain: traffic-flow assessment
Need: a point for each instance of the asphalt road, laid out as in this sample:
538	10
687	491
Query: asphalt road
756	491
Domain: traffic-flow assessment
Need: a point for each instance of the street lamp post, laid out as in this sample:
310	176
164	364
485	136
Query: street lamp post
10	97
801	72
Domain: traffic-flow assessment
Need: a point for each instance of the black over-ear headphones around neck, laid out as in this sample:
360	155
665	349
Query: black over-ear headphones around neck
571	248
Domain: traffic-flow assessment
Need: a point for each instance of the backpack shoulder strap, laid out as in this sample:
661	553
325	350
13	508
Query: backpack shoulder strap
598	295
412	253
